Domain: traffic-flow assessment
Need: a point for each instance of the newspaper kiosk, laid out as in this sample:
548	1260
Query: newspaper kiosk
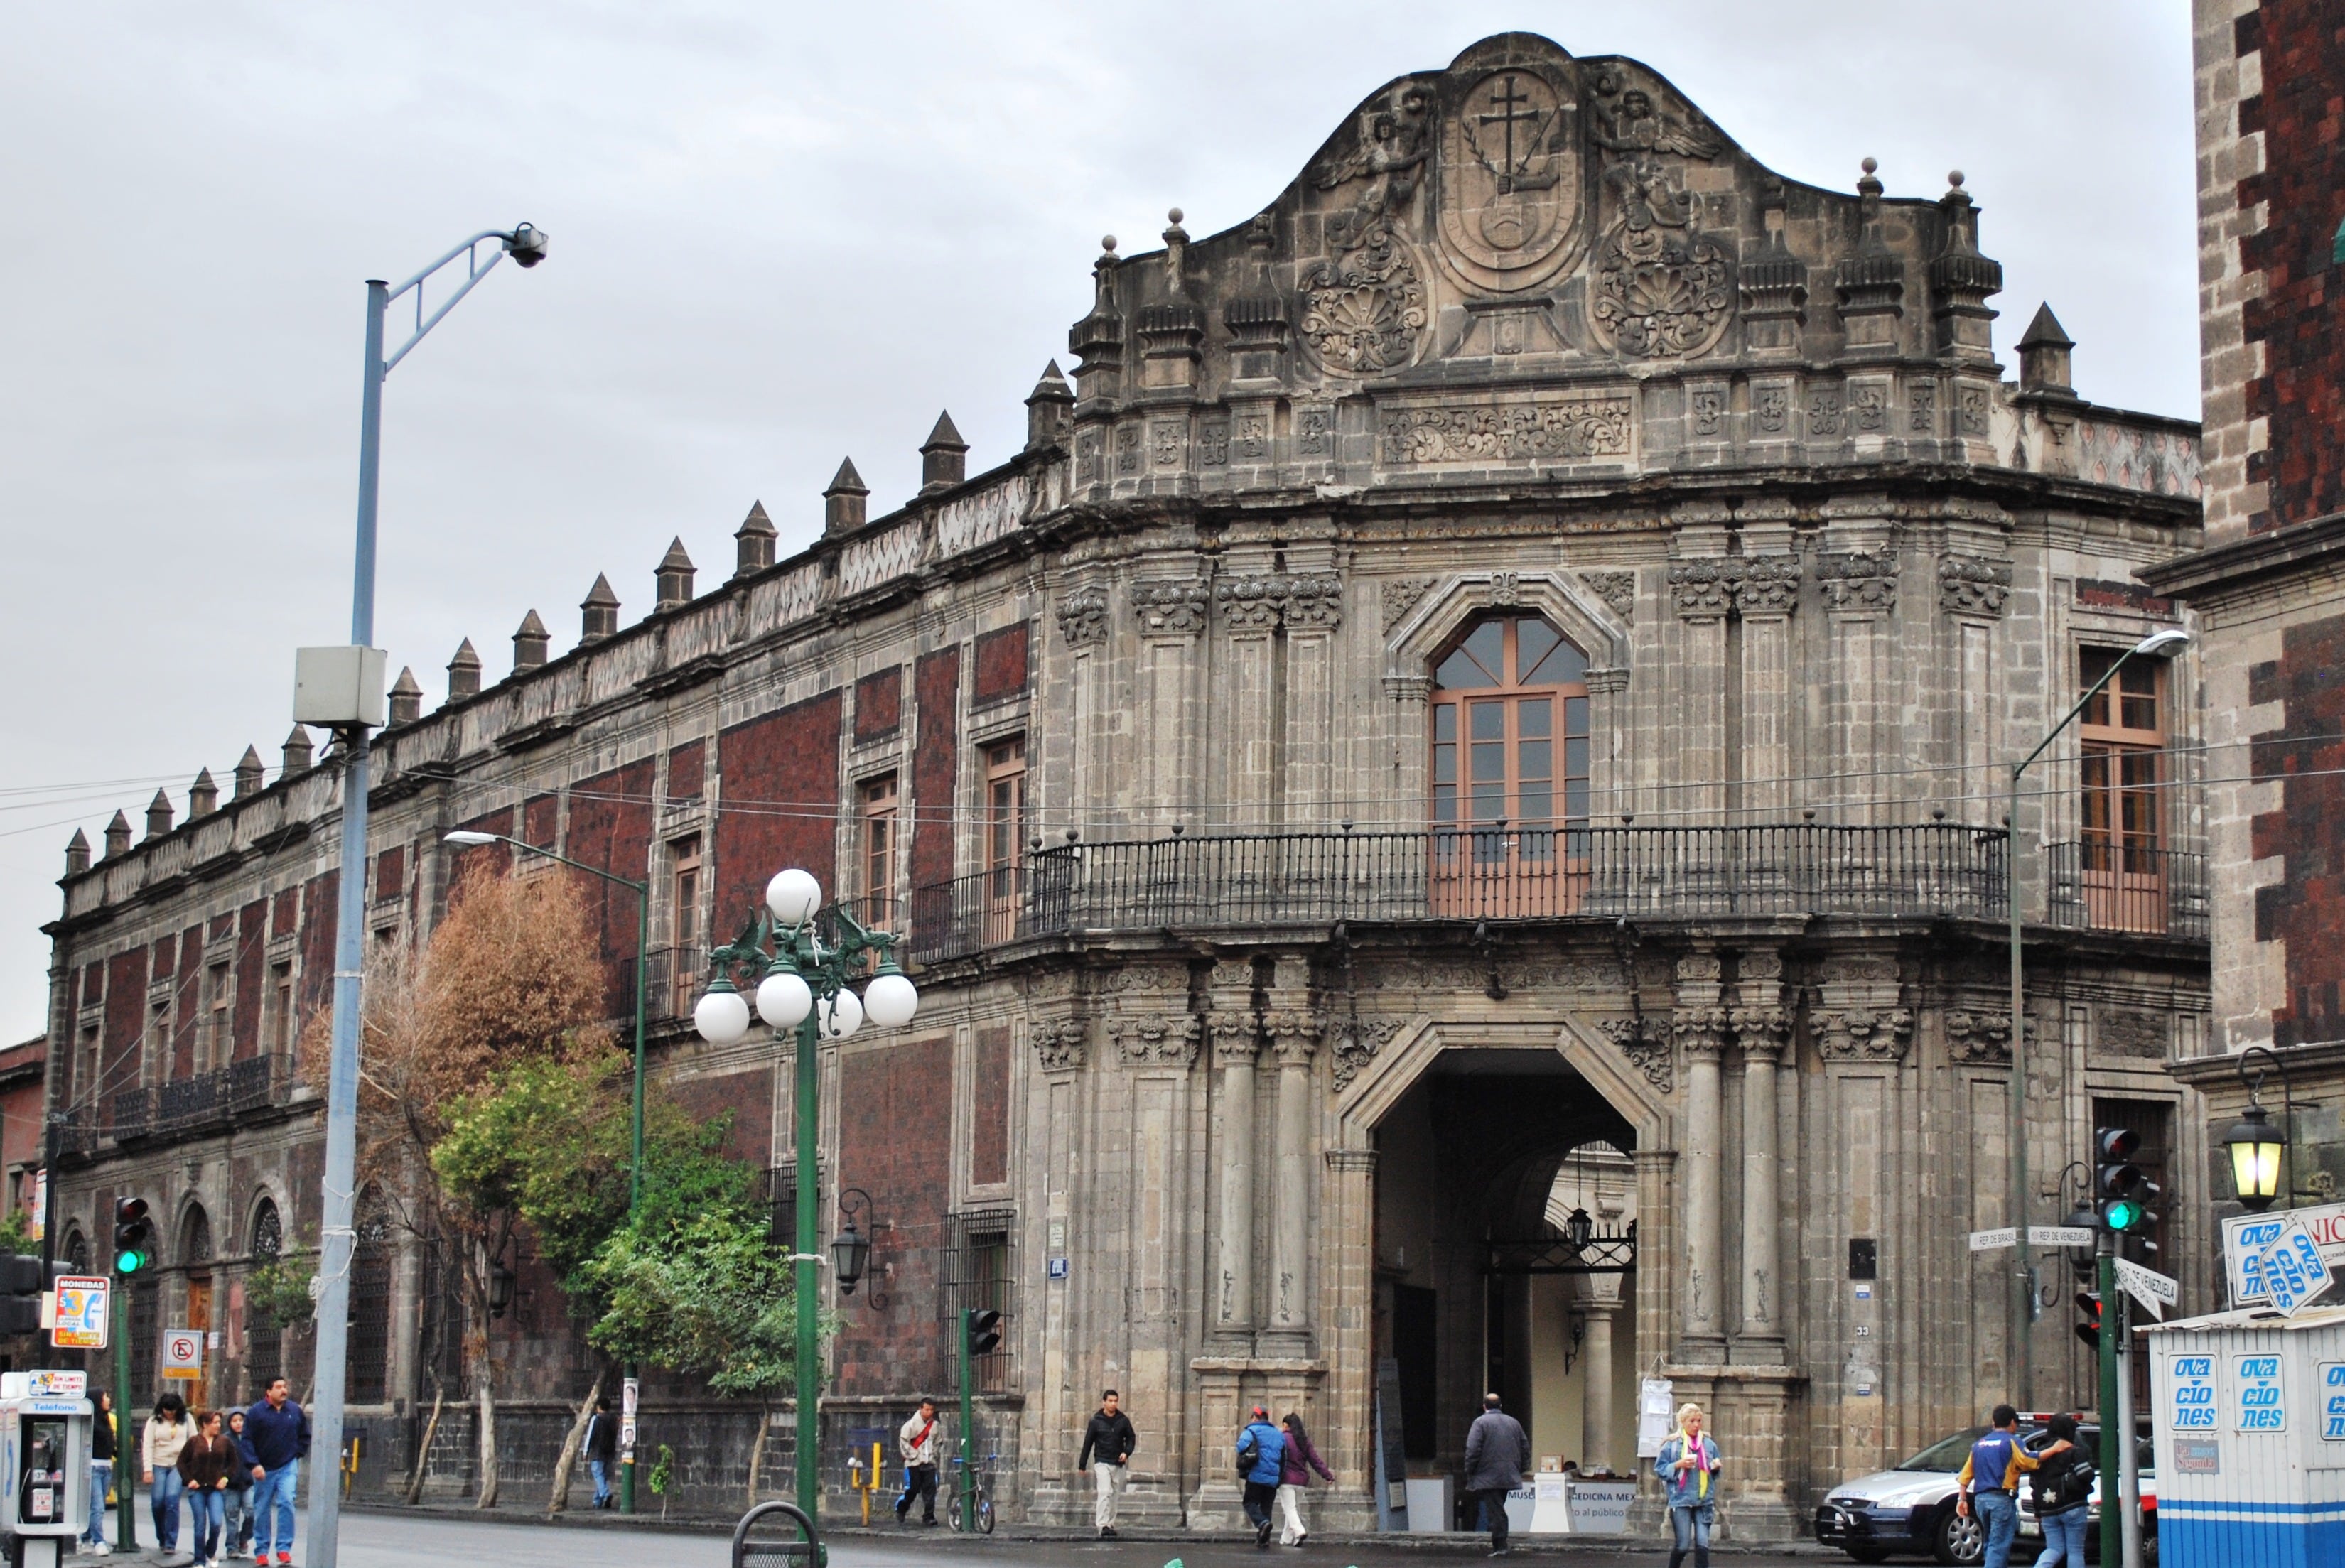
2248	1409
43	1465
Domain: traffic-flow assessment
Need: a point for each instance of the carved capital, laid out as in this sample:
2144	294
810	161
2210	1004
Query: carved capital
1978	1037
1761	1031
1853	580
1864	1034
1417	688
1356	1045
1060	1045
1767	584
1251	603
1237	1039
1176	609
1973	585
1157	1040
1701	590
1701	1031
1352	1161
1083	616
1260	603
1315	602
1293	1034
1647	1049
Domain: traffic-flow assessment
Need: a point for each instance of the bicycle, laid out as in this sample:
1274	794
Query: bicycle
974	1493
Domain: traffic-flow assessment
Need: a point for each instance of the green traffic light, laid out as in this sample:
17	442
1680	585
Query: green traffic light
2122	1214
129	1262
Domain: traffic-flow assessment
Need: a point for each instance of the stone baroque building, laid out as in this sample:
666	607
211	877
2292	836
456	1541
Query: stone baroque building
2269	591
1510	648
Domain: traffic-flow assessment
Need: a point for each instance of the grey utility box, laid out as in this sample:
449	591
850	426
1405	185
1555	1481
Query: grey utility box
338	686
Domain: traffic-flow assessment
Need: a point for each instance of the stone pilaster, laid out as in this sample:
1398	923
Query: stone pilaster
1237	1040
1700	1023
1293	1030
1762	1024
1346	1295
1597	1414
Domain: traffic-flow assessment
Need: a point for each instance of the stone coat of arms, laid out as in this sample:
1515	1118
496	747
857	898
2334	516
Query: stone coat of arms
1510	178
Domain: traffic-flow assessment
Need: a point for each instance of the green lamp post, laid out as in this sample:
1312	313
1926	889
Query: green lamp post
801	981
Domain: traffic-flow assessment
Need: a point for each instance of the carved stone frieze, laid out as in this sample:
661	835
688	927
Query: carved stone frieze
1568	427
1157	1040
1855	580
1170	607
1083	616
1973	585
1616	589
1060	1043
1646	1048
1358	1041
1400	596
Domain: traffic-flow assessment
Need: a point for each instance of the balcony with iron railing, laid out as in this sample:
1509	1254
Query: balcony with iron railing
2097	885
1920	871
205	1102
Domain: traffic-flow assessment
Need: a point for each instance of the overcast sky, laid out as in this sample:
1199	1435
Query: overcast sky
782	234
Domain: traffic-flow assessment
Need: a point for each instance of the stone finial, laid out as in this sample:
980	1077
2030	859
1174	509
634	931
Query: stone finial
944	457
673	577
464	673
1176	251
598	613
529	642
295	757
117	836
158	816
842	503
1097	341
2044	364
753	542
406	697
1869	185
249	773
203	795
78	854
1049	408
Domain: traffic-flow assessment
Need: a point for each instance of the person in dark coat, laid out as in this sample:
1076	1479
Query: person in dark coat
1497	1452
1108	1443
1295	1468
276	1430
236	1502
102	1435
602	1446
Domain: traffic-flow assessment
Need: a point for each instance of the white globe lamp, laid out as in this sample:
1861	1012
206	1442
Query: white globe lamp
794	895
722	1016
891	1001
839	1015
783	999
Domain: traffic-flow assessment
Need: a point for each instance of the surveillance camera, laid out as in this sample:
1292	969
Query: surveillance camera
527	245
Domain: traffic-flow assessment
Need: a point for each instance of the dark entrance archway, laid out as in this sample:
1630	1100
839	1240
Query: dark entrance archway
1476	1286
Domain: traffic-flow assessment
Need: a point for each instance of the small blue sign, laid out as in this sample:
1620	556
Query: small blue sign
1057	1267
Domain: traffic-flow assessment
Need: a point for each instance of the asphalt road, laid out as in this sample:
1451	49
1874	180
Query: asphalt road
373	1540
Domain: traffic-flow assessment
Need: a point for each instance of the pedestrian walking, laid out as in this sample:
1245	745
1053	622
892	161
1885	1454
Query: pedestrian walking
205	1461
1990	1483
916	1442
168	1431
2064	1489
1108	1443
1295	1468
276	1430
602	1447
1688	1466
1262	1456
1497	1452
235	1502
102	1440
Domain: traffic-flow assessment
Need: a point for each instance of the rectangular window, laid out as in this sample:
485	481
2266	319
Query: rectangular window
220	1018
684	886
1005	834
278	1040
2120	815
877	799
981	1276
86	1088
155	1061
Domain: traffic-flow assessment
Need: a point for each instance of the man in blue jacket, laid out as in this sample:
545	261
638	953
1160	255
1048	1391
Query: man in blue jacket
1260	1446
278	1431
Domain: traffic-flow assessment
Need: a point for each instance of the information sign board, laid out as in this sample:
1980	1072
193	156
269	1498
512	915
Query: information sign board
82	1311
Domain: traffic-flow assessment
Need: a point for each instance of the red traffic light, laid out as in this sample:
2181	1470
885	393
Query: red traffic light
2088	1303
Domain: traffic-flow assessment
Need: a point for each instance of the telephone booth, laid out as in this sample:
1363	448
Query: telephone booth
45	1420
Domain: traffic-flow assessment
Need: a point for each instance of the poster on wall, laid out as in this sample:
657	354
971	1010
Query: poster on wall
1656	1416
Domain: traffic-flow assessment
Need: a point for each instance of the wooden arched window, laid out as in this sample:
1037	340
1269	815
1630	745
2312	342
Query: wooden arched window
1509	758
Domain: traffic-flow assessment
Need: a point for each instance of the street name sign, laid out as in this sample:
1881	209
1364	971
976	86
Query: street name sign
2060	1236
2150	1288
1995	1240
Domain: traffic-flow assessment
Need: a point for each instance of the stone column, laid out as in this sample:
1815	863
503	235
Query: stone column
1236	1041
1761	1025
1700	1023
1702	592
1293	1030
1348	1276
1596	1395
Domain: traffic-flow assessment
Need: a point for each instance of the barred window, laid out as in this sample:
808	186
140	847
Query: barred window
979	1274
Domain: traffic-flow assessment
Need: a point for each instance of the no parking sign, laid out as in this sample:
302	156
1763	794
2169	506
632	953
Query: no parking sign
183	1354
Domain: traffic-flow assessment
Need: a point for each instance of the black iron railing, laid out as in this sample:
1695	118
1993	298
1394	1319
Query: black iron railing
2103	886
201	1103
1919	871
131	1114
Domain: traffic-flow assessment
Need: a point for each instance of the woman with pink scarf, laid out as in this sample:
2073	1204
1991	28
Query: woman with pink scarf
1688	1466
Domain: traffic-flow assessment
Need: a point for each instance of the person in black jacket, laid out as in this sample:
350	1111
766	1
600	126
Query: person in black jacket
101	1470
602	1446
1108	1443
2062	1485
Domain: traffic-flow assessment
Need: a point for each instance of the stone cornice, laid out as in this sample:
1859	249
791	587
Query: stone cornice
2220	570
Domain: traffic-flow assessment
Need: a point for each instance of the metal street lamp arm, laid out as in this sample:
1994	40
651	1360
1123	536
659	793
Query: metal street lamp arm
476	270
575	864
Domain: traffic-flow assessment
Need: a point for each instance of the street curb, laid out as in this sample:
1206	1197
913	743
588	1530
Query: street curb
1455	1543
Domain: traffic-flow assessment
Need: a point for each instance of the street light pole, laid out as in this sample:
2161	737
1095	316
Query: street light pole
643	892
336	1238
2023	1288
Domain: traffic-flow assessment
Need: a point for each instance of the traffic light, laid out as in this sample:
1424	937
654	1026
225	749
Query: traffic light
133	1235
2117	1179
2088	1327
984	1331
22	1280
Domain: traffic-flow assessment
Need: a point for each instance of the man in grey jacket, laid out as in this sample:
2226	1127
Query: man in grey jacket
1497	1452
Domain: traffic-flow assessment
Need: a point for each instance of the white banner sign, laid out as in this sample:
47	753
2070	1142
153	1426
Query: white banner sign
2148	1286
2245	1235
2290	1269
1995	1240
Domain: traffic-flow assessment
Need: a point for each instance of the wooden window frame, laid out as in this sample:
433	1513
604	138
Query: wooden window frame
878	838
687	882
2121	798
1512	842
